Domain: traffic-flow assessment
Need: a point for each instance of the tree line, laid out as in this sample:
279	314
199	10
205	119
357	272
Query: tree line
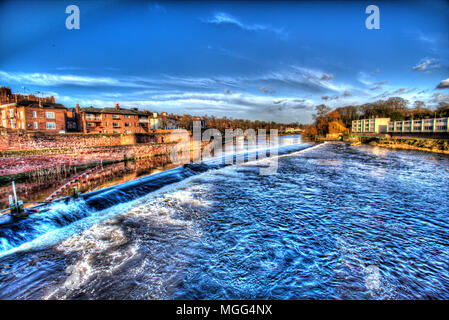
395	108
221	124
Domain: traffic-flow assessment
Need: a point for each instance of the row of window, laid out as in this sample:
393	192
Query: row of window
418	128
21	125
93	116
48	115
114	124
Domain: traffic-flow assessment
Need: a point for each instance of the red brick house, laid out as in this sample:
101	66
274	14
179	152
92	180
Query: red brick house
112	120
33	116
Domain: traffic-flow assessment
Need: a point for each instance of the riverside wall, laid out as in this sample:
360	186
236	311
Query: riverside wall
14	140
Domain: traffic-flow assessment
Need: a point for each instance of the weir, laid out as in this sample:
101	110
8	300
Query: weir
64	211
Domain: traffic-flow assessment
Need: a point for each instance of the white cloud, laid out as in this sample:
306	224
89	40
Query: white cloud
444	84
427	64
48	79
225	18
438	97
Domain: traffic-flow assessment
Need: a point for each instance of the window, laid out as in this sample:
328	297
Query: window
127	131
22	115
34	114
126	117
13	123
50	115
11	113
90	124
36	126
115	116
90	116
115	124
127	124
4	123
3	114
51	125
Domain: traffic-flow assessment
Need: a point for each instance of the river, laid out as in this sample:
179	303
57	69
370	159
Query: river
334	222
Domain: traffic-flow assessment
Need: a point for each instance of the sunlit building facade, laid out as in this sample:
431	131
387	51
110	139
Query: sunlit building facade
374	125
437	125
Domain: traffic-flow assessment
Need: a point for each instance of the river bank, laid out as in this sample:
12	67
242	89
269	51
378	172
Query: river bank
418	144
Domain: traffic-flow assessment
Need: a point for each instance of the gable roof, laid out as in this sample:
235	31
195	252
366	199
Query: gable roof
114	111
35	104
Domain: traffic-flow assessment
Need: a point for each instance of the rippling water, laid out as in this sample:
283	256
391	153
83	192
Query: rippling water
335	222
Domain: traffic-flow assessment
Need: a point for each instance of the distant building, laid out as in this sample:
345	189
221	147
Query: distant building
336	129
438	125
375	125
155	122
33	116
292	130
112	120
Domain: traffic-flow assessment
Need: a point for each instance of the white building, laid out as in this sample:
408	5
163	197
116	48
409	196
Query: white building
375	125
420	126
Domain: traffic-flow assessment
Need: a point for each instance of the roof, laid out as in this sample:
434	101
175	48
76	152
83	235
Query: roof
35	104
114	111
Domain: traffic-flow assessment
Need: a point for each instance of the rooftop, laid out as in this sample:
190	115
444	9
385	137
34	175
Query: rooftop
116	110
35	104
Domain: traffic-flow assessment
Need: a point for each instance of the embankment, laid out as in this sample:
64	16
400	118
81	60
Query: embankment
420	144
15	140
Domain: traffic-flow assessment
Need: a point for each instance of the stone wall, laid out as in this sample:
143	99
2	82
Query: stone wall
21	140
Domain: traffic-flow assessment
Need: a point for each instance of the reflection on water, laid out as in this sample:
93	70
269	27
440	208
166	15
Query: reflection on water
111	174
335	222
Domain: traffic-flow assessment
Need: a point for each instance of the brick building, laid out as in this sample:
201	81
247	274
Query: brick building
112	120
336	129
28	112
33	116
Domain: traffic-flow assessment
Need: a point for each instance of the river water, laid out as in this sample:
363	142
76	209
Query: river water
334	222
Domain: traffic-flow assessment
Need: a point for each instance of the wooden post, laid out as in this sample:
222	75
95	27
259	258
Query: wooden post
14	192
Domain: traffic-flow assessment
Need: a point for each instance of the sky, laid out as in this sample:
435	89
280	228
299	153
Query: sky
269	60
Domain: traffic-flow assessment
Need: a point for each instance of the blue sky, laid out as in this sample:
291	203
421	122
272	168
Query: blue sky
255	60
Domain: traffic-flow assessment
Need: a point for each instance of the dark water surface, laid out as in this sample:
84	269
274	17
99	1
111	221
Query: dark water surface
334	222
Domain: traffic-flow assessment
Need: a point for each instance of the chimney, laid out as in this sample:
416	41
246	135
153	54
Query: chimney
117	107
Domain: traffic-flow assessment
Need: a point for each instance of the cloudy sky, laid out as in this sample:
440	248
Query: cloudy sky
254	60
